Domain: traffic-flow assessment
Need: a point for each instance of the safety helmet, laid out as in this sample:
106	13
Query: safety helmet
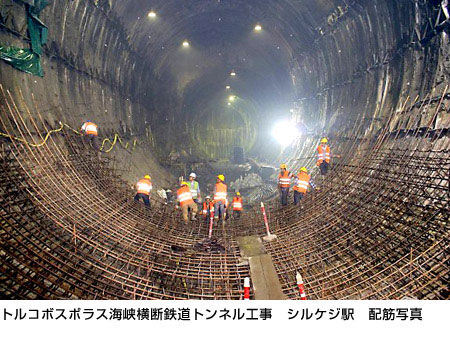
207	197
183	183
193	175
304	169
221	177
283	166
88	121
147	177
238	194
324	140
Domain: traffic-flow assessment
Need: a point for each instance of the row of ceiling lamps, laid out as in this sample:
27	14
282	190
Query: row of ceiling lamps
231	98
152	15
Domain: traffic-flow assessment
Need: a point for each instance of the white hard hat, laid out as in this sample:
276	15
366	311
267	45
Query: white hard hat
193	174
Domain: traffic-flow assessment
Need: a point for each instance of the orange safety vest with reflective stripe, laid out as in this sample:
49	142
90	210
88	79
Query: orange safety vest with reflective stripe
323	153
284	179
90	128
184	196
220	193
237	204
206	207
144	186
302	182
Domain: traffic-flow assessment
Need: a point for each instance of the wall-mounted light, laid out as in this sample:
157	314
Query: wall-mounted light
185	43
232	73
228	87
258	28
231	98
285	132
152	14
229	104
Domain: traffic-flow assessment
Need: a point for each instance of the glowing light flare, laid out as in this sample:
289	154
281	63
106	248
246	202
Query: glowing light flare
232	98
285	132
151	14
185	43
228	87
233	73
258	28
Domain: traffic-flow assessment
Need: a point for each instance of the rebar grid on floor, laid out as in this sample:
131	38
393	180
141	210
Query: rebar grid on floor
377	229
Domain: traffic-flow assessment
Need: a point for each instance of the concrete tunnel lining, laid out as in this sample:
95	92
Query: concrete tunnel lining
372	76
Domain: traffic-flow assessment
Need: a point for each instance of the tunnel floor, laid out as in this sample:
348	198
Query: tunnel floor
378	228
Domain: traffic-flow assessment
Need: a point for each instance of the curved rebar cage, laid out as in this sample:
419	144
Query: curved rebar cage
69	228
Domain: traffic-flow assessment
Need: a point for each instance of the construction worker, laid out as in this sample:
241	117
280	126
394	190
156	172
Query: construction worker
195	188
90	131
302	181
237	205
323	152
186	202
143	188
284	182
208	207
220	199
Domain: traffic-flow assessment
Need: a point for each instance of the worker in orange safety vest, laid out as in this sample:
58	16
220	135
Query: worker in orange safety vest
185	201
208	207
90	132
302	181
324	156
237	205
284	182
220	199
143	188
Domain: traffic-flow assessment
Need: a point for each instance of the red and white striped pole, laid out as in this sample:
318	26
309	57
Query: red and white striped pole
263	209
247	288
301	287
211	219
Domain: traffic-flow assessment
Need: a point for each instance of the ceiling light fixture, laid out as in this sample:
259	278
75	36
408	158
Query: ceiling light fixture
232	73
231	98
228	87
185	43
258	28
151	14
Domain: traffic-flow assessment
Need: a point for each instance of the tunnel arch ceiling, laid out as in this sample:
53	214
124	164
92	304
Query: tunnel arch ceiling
222	39
326	58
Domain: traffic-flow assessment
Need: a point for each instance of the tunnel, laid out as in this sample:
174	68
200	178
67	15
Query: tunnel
232	87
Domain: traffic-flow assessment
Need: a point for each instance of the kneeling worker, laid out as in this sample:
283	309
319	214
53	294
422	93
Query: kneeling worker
90	132
185	201
143	188
302	181
237	205
208	207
